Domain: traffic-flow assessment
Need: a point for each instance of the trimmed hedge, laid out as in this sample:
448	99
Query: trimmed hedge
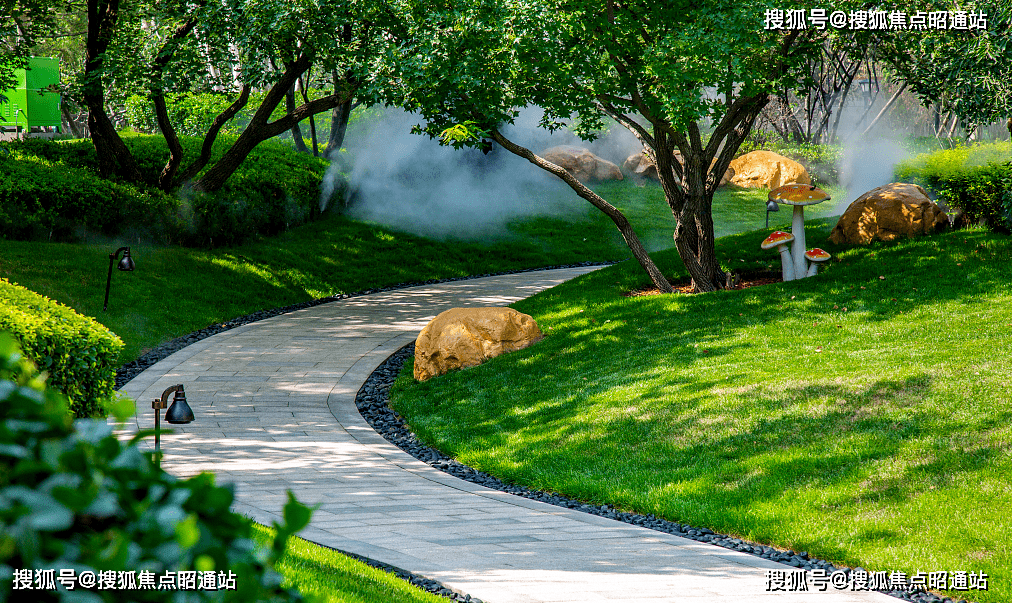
79	354
74	497
44	198
50	190
976	181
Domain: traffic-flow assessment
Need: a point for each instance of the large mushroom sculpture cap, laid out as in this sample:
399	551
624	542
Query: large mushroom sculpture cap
799	195
780	239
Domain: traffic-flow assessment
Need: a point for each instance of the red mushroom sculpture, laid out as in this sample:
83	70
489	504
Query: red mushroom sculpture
815	256
799	195
780	239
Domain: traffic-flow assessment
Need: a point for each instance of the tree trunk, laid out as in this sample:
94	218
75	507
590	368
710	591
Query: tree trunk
691	202
260	130
1008	125
68	119
617	217
304	91
166	178
338	126
113	156
212	134
300	145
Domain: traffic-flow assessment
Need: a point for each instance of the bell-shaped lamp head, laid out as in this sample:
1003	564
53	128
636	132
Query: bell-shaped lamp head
179	412
127	263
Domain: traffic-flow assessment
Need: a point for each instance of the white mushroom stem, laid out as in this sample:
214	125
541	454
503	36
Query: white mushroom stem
798	230
786	262
813	269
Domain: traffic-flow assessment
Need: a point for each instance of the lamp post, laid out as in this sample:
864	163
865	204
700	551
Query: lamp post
126	264
771	205
179	413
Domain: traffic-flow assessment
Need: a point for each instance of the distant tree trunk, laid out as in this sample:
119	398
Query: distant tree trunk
71	122
885	109
300	145
113	156
1008	125
303	87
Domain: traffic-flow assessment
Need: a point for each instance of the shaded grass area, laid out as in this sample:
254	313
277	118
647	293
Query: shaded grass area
860	415
175	290
337	578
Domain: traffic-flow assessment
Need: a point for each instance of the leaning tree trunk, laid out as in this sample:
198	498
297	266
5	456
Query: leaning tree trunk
617	217
259	129
113	155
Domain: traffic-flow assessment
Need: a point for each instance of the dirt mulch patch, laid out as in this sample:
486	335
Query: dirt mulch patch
742	281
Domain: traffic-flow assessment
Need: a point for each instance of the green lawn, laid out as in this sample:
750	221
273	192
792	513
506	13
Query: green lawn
175	291
337	578
861	415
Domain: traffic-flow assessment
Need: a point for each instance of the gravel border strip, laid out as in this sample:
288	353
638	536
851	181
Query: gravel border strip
131	369
373	404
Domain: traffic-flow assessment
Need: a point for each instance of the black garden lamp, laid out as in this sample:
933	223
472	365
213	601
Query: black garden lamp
770	206
126	265
179	413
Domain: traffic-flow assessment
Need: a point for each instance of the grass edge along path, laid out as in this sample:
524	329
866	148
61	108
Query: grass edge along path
339	577
893	454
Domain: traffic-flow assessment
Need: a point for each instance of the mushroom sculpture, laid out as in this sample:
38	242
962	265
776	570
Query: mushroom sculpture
815	256
780	240
798	195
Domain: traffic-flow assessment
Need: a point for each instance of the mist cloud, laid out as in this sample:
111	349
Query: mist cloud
412	183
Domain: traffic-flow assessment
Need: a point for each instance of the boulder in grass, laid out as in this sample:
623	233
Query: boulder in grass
887	213
464	337
766	169
581	163
640	164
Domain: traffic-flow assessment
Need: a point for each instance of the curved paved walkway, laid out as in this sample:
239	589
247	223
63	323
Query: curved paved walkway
275	410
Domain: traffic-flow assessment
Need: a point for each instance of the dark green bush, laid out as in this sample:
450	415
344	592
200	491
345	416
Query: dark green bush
53	192
74	497
79	354
54	195
976	181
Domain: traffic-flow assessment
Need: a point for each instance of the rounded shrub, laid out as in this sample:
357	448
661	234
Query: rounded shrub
79	507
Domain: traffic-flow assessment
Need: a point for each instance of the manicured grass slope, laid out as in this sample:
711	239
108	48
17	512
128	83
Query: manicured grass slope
336	578
175	290
861	415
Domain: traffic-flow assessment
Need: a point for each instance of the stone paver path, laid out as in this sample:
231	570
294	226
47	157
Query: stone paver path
275	410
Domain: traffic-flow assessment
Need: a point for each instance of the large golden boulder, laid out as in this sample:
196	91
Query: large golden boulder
887	213
464	337
766	169
581	163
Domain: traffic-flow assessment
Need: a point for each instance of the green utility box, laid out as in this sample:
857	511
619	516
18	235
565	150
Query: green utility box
30	104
